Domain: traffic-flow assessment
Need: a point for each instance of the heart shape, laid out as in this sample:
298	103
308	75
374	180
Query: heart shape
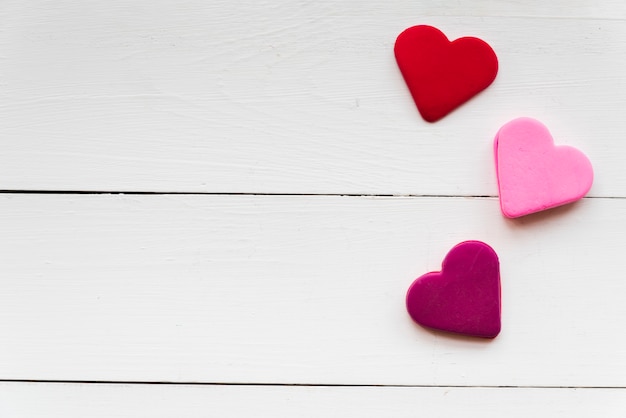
533	173
464	297
442	75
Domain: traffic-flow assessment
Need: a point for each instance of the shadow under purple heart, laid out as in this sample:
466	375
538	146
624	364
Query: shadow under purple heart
464	297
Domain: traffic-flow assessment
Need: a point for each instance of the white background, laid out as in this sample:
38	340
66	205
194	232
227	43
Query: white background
230	199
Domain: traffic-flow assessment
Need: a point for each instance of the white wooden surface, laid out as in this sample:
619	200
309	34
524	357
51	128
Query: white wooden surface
285	99
158	401
292	96
298	289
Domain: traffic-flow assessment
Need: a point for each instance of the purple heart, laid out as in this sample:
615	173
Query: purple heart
464	297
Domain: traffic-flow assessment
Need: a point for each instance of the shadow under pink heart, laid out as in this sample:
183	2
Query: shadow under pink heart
533	173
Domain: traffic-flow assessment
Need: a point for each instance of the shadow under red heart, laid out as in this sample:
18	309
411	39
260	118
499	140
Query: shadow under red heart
442	75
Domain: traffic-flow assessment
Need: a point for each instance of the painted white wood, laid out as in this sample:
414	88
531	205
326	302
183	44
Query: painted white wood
292	96
155	401
300	290
296	97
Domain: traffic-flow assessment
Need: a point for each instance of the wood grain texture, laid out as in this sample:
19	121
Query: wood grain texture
163	401
297	97
292	96
300	290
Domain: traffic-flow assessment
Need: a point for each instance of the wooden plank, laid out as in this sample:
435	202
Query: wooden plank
296	97
116	401
300	290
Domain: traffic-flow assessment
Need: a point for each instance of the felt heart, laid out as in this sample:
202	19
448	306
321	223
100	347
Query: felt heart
533	173
464	297
442	75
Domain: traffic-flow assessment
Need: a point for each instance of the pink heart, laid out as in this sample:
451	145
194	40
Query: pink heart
533	173
464	297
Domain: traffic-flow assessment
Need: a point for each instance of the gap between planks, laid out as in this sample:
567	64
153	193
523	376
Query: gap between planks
147	193
321	385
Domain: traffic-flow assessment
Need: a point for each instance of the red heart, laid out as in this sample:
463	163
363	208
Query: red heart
442	75
464	297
